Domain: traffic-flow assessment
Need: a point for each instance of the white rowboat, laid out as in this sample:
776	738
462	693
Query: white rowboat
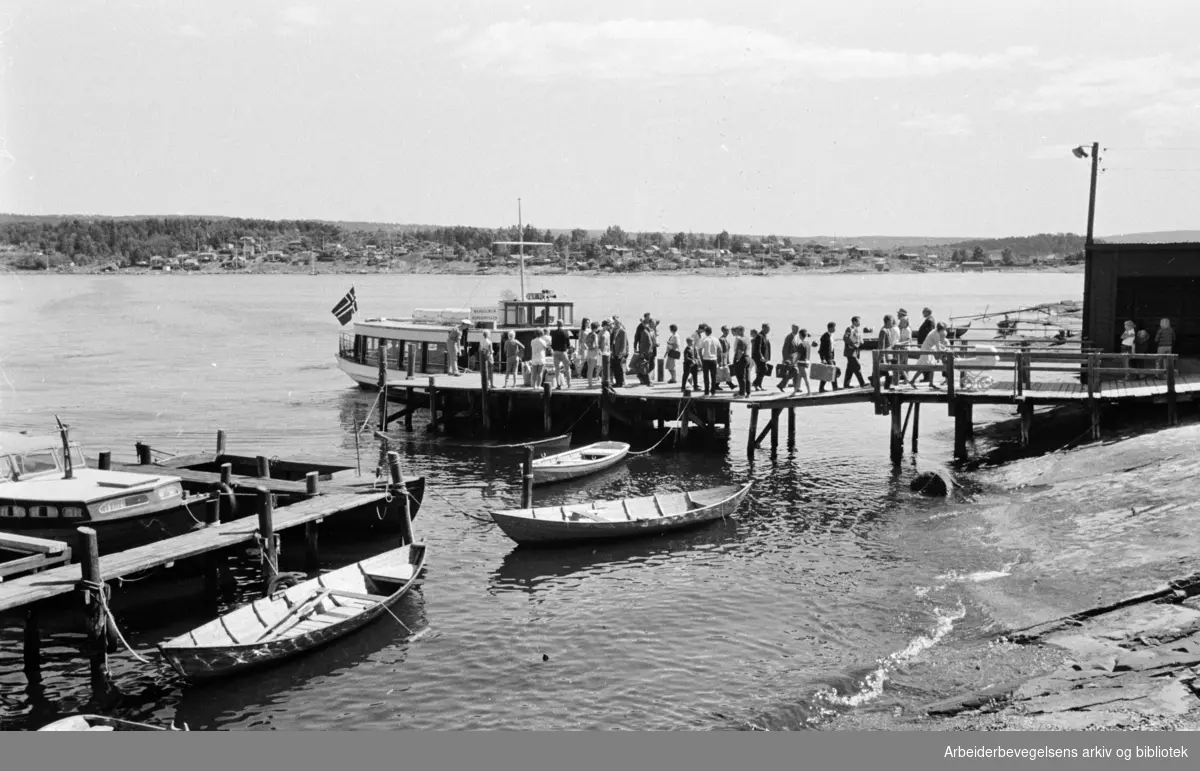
622	518
297	619
578	462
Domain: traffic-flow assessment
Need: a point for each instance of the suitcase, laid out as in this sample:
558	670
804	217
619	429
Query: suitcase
825	372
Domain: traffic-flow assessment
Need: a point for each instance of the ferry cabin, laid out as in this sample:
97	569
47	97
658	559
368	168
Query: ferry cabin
425	337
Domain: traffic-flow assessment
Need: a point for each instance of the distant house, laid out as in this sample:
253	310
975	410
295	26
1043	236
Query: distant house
157	262
910	256
274	256
206	256
191	263
971	265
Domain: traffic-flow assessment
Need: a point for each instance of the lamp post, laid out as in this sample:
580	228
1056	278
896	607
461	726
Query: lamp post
1079	152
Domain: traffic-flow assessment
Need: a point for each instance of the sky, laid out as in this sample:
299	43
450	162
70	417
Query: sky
843	118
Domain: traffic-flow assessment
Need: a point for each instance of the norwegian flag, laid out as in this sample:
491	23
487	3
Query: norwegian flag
346	307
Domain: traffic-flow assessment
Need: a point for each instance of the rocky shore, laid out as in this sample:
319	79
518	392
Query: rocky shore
1095	619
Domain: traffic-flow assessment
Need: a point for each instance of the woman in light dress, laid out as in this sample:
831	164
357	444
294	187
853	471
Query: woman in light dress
904	340
889	335
591	352
934	345
674	352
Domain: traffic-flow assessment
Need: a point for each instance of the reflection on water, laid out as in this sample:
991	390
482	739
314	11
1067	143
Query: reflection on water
831	573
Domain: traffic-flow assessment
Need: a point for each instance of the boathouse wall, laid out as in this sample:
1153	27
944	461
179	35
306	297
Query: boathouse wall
1144	283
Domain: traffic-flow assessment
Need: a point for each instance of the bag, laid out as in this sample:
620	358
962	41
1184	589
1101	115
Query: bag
781	369
826	372
674	354
723	374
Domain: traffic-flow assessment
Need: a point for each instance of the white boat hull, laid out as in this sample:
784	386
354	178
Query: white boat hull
579	462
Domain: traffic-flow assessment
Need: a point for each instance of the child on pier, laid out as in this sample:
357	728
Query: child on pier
513	348
1128	337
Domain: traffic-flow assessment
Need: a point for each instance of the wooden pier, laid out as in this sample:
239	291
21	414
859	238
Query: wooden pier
217	533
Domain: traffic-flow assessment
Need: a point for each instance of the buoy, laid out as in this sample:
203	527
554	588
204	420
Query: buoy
930	483
545	657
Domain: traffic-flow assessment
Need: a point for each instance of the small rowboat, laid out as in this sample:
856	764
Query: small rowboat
297	619
578	462
101	723
622	518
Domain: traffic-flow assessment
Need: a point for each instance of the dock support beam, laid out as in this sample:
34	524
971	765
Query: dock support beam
143	453
408	401
1025	409
604	408
527	479
964	427
33	645
775	429
383	390
1172	413
96	645
916	425
485	387
226	473
791	428
266	534
105	462
220	442
547	413
212	563
752	437
433	406
312	553
897	445
264	467
400	491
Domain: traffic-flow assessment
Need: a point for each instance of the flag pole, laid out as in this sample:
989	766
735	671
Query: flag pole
521	247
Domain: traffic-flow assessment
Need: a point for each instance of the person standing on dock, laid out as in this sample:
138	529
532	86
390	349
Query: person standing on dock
803	352
643	347
673	352
513	348
826	354
904	340
852	344
1128	337
760	351
453	338
928	326
605	349
888	336
620	353
723	358
710	349
741	360
935	343
560	344
789	357
1164	342
591	352
487	358
537	359
691	361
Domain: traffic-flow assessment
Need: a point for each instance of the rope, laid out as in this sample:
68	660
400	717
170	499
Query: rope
582	415
398	621
164	453
370	413
263	553
460	511
122	580
101	592
190	514
686	406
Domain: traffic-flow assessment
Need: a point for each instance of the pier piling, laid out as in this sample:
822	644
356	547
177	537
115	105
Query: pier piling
964	426
485	386
226	473
105	462
916	424
527	477
406	528
220	442
547	414
408	401
1025	408
143	453
897	447
263	467
791	428
433	406
95	626
752	437
32	649
312	554
266	534
212	570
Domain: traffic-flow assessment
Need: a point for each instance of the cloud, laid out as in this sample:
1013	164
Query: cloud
632	49
1161	94
941	124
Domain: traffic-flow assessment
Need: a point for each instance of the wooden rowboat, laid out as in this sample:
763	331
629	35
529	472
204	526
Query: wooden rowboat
101	723
622	518
297	619
578	462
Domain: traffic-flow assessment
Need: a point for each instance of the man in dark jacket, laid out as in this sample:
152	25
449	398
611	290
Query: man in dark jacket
789	350
826	354
643	347
853	342
761	353
560	344
620	353
927	327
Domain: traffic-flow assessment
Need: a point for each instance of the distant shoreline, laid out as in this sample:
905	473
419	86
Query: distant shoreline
461	269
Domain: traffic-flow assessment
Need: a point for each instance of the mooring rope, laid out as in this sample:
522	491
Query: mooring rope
370	412
686	405
460	511
101	592
398	621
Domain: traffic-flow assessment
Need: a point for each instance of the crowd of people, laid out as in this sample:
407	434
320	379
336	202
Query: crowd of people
702	360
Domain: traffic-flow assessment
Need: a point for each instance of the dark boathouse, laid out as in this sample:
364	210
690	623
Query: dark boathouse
1142	283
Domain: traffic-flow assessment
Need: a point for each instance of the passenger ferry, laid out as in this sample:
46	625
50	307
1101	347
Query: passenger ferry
47	491
425	336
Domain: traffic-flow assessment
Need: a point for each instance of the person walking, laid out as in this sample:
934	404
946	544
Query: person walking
741	360
512	348
935	343
674	352
904	343
789	357
760	351
851	345
723	359
928	326
620	353
710	349
826	354
887	342
643	347
560	346
691	363
803	352
605	350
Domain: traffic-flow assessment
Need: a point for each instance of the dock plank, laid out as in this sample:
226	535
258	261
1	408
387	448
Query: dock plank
51	583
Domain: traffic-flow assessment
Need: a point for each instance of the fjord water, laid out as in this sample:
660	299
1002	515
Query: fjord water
833	575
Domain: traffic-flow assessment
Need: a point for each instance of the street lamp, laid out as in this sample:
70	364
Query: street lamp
1080	152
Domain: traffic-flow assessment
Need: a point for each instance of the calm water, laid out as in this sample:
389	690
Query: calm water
833	575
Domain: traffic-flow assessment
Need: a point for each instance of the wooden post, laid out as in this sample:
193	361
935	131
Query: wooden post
433	406
485	386
32	652
876	383
1019	374
951	377
1025	408
143	453
226	473
212	569
916	424
547	414
266	531
1172	415
897	445
750	439
791	428
962	430
410	353
220	442
406	529
94	615
408	412
604	418
105	462
661	371
383	390
527	478
264	467
1093	402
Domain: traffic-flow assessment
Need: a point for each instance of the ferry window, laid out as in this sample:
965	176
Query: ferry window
6	468
37	462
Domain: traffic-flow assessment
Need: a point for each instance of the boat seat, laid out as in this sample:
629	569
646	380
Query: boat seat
388	574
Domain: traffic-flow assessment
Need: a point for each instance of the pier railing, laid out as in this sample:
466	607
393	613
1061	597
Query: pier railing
999	370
